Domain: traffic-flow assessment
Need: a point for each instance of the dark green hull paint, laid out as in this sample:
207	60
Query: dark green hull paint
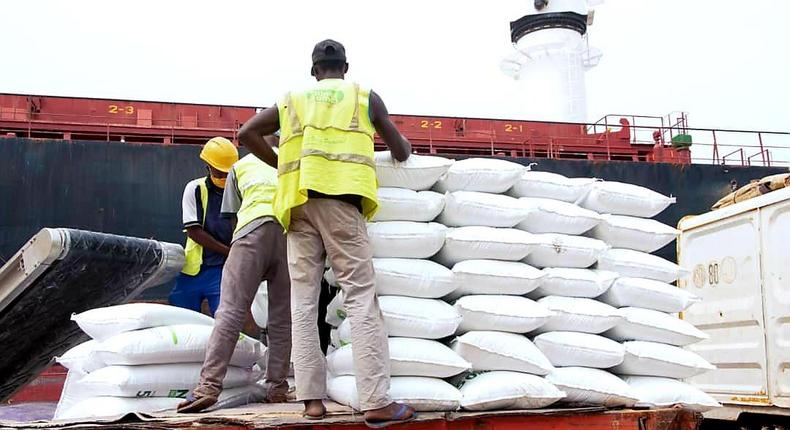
135	189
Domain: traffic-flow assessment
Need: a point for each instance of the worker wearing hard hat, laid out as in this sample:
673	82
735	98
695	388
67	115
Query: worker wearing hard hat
326	191
258	252
208	234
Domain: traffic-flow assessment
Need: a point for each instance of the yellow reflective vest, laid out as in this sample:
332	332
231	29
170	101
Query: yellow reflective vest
257	183
326	145
193	251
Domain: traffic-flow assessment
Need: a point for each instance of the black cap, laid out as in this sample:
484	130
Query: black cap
329	50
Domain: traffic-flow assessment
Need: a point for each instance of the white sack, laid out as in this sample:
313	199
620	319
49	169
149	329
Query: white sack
418	172
420	318
185	343
103	323
619	198
156	380
335	313
565	349
406	239
493	350
560	250
551	186
330	278
473	277
649	294
571	282
468	208
341	335
663	392
639	234
654	326
555	216
635	264
93	407
401	204
412	278
260	306
507	390
70	395
408	357
511	314
579	315
587	386
423	394
658	359
484	243
487	175
81	359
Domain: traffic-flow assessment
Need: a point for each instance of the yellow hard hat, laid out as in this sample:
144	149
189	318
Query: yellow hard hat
220	154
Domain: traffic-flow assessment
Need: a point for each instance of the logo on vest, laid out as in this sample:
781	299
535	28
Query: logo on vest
325	96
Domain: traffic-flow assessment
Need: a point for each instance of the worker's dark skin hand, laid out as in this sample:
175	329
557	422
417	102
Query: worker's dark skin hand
206	240
268	121
398	145
252	133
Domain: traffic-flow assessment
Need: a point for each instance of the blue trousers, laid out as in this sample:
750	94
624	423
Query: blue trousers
190	291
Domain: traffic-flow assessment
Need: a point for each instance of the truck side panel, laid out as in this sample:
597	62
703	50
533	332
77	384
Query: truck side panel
724	257
775	222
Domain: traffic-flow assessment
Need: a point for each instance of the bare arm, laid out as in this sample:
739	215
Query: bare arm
206	240
398	145
252	132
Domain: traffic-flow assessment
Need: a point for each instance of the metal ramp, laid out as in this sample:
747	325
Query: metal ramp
62	271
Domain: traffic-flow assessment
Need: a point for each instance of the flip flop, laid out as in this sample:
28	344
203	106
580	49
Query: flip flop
398	418
313	417
193	404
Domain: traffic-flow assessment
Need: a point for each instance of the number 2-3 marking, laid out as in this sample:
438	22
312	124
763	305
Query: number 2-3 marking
114	109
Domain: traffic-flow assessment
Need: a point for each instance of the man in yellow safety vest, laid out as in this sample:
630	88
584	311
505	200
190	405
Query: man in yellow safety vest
326	191
208	234
257	253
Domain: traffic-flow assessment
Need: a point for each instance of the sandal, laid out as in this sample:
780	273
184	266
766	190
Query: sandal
399	418
195	403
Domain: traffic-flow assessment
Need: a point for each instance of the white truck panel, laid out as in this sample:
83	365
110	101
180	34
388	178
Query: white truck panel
776	284
740	260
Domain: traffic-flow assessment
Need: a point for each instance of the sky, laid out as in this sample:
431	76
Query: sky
723	61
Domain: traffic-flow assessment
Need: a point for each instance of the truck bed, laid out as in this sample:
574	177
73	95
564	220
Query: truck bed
288	416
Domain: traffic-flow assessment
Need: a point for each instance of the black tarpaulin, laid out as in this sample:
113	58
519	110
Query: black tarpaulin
64	271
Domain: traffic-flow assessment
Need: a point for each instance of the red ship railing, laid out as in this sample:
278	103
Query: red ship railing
638	138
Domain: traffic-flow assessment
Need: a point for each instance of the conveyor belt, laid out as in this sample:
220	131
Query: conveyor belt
63	271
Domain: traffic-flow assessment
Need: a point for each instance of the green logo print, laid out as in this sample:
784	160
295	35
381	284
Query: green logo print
178	394
325	96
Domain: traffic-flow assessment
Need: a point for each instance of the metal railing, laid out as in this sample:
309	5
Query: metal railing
710	146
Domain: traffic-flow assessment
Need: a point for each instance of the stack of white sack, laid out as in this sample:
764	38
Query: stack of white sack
403	237
570	338
486	253
651	335
592	243
145	357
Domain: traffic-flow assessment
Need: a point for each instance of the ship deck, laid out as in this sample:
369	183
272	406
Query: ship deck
265	416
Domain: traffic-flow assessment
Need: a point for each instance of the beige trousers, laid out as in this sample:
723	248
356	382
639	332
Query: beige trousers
326	227
257	256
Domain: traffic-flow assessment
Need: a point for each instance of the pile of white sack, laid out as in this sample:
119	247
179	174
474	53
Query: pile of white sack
522	289
145	357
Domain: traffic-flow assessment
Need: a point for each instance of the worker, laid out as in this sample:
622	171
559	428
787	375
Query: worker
208	234
257	253
326	191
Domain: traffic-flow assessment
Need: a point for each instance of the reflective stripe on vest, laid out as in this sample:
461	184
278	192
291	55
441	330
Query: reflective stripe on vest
257	183
326	145
193	252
